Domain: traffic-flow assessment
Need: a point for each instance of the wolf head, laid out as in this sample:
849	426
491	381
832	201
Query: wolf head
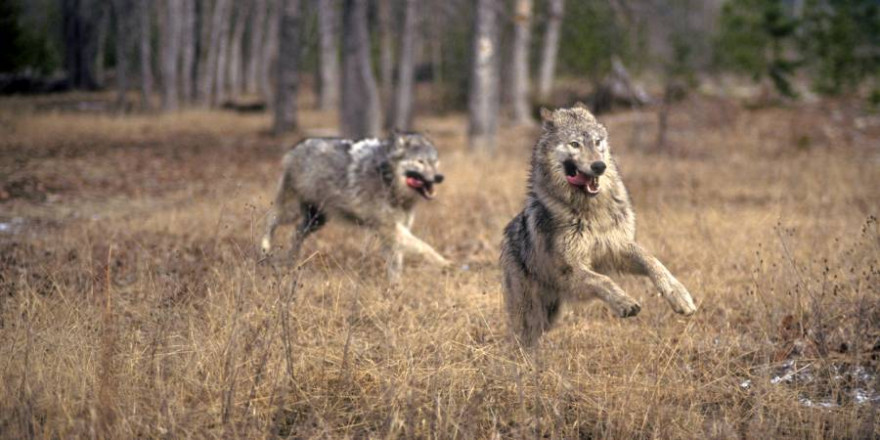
415	160
574	146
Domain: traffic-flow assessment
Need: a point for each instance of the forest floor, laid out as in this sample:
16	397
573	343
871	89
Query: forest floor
132	303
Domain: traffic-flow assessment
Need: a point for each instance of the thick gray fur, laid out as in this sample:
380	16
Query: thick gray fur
366	182
567	240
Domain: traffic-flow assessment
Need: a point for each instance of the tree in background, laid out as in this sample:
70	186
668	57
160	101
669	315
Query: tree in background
80	37
841	43
287	68
519	69
550	49
360	111
402	111
170	25
483	100
756	37
328	55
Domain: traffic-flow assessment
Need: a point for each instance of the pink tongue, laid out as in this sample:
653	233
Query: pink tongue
578	179
413	182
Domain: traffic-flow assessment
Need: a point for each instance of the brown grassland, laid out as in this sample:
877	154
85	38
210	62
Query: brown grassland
132	302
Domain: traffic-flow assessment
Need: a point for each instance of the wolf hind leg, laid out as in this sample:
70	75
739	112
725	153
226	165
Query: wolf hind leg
531	307
313	219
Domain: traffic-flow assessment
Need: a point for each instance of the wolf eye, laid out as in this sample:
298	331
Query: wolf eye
574	144
598	143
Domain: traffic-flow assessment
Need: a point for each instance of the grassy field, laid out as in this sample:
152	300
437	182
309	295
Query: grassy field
132	303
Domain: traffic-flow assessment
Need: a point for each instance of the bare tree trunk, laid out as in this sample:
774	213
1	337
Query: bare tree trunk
550	49
406	68
236	59
328	25
255	47
220	84
519	78
483	98
386	53
122	17
212	52
170	42
188	49
287	68
270	49
360	112
101	53
79	23
146	53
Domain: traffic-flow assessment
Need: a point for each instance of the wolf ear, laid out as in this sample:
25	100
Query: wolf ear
580	104
546	117
396	144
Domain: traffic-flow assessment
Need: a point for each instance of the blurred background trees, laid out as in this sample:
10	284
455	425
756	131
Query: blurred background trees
496	59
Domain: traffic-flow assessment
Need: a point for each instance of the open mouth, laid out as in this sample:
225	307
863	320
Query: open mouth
589	183
417	182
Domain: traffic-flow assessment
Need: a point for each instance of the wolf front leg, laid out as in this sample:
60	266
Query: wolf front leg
588	284
640	262
410	243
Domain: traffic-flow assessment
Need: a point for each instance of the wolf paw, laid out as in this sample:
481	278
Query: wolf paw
680	299
629	309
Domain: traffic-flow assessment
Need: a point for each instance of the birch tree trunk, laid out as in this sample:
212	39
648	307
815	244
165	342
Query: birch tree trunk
170	45
236	60
519	70
145	52
188	40
270	49
220	84
360	112
483	98
287	68
122	15
255	46
328	25
550	49
406	68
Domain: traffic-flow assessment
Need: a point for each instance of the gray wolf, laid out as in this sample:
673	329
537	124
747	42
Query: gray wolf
577	226
370	182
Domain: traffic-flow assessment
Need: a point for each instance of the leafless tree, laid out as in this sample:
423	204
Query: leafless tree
103	11
122	18
170	46
270	49
360	111
328	25
79	27
236	57
550	49
386	53
145	10
188	37
212	51
403	99
483	97
255	46
222	56
519	69
286	69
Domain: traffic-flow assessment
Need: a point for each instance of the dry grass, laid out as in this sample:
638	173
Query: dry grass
132	304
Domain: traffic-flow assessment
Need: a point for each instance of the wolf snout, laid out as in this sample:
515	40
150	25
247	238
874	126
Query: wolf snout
598	167
438	178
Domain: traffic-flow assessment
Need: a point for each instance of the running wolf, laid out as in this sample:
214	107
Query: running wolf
577	226
370	182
